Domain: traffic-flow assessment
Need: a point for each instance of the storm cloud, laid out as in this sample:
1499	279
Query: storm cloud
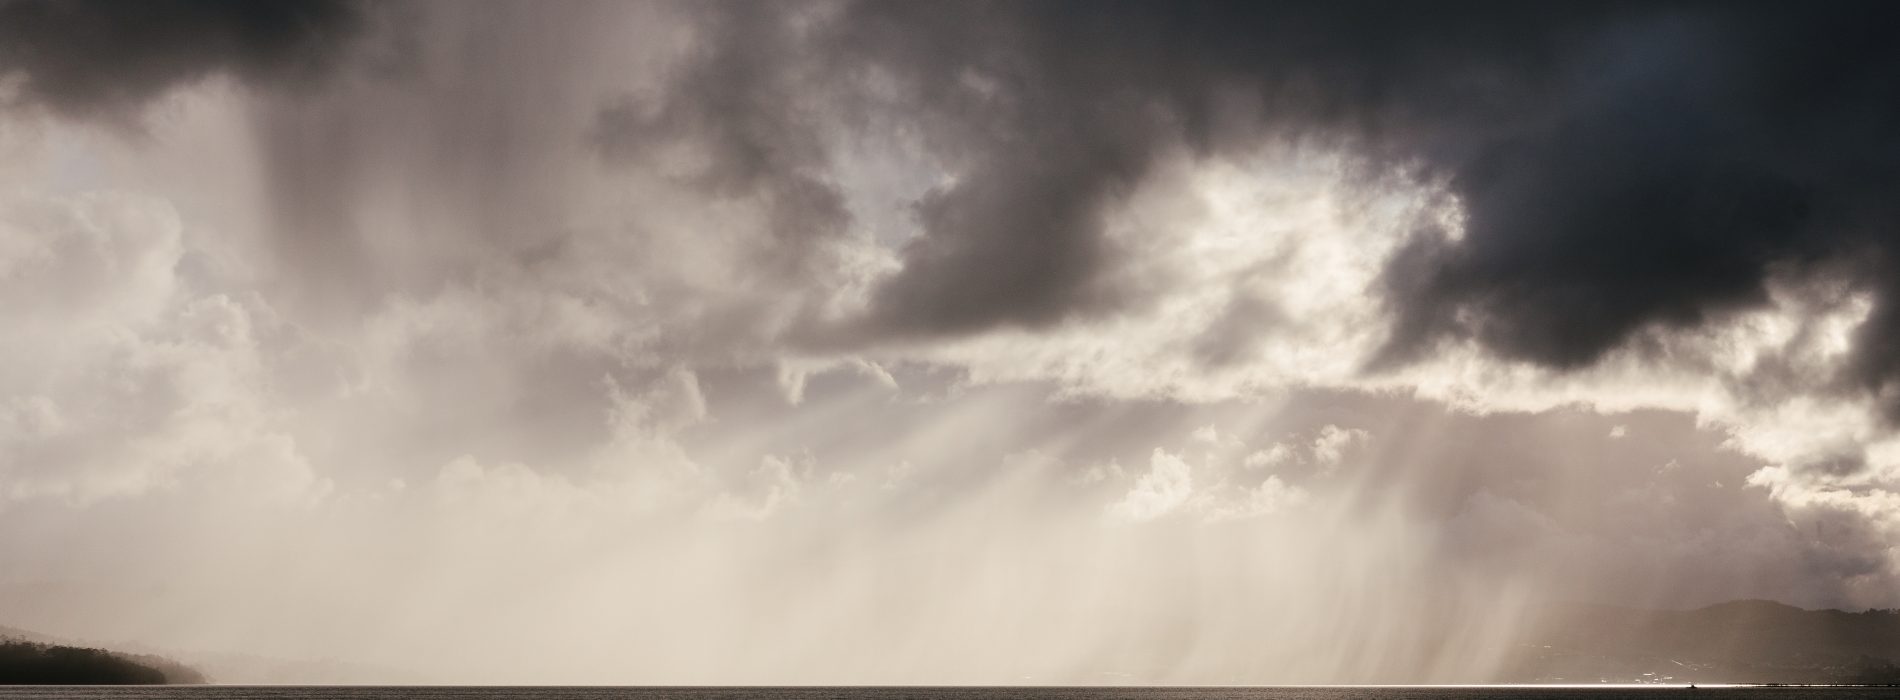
1621	171
103	59
1621	167
684	328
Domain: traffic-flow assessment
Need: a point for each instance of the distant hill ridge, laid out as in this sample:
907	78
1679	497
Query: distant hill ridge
240	668
27	658
1744	641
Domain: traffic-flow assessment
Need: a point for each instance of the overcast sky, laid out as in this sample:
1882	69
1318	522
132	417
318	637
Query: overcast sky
911	342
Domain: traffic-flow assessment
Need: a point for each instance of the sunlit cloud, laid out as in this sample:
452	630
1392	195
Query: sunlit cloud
846	343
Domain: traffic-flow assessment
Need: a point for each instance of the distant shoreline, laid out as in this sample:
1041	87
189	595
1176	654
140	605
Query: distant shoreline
39	664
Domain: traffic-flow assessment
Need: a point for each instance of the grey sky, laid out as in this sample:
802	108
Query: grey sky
936	342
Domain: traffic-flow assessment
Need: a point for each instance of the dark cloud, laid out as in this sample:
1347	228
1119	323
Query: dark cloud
102	58
1688	154
1047	113
753	125
1624	167
1042	127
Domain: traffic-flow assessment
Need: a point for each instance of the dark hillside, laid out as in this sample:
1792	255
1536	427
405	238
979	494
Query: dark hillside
29	663
25	653
1749	641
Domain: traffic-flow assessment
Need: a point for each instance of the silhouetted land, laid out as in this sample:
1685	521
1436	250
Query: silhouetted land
1750	641
34	663
1738	642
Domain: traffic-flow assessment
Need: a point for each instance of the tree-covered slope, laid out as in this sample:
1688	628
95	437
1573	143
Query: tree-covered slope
35	663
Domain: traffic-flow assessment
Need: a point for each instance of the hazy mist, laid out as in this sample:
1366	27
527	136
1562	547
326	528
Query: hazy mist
1030	342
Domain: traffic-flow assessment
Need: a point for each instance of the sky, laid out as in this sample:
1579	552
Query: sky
937	342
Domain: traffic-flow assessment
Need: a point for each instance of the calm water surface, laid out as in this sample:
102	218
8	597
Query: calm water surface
859	693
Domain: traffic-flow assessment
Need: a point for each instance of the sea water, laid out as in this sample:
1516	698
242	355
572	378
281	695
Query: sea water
950	693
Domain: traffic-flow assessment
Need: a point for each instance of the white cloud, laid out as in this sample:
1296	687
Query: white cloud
118	381
775	484
86	264
1269	458
482	395
1165	488
1269	279
1330	446
1269	497
1170	488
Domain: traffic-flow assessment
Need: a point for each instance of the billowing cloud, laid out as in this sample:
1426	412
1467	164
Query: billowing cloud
1166	487
834	342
